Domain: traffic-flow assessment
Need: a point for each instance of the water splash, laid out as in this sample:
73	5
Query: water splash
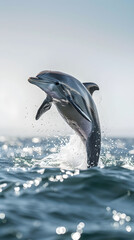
71	155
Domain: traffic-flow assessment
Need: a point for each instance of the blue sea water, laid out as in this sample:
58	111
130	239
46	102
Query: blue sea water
46	192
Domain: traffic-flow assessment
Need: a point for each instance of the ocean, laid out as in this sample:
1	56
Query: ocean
46	192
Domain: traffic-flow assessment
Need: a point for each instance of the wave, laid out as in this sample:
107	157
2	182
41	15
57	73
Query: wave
64	152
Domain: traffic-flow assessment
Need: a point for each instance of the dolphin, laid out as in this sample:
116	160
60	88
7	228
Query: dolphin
74	102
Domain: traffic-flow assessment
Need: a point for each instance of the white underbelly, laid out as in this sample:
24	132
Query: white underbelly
75	120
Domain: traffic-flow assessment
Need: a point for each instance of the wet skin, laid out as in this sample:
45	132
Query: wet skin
74	102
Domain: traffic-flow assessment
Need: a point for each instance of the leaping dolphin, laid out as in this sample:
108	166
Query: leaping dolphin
74	102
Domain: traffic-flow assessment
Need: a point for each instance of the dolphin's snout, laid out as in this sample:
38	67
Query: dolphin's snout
32	79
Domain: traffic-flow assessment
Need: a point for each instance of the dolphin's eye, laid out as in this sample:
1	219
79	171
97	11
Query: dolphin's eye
57	83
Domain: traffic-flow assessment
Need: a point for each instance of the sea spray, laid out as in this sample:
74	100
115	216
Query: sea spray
71	155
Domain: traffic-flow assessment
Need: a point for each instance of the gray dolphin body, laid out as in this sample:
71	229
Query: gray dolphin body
74	102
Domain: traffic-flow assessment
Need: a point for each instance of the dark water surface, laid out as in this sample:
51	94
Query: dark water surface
42	199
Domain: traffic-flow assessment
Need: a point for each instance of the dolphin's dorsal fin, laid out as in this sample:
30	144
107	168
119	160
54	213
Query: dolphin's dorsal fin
45	106
91	87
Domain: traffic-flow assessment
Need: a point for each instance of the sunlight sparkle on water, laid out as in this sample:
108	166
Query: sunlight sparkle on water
41	171
35	140
19	235
128	229
117	216
2	215
3	185
5	147
37	181
76	235
28	184
62	177
28	150
120	219
131	151
17	190
61	230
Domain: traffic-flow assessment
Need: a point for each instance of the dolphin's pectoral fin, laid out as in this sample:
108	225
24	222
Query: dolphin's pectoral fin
91	87
45	106
78	108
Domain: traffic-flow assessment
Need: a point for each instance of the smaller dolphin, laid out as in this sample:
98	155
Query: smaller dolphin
74	102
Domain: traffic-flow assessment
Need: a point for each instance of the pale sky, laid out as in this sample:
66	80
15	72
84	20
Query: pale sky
93	40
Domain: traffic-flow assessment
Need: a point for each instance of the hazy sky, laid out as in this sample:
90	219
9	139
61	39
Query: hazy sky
92	40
